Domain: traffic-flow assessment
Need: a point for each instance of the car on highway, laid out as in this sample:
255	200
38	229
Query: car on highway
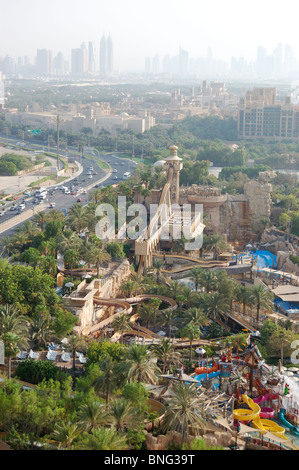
115	177
79	199
67	191
1	213
13	208
52	204
114	170
21	206
95	173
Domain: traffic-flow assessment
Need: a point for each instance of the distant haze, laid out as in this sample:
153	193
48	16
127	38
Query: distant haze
143	29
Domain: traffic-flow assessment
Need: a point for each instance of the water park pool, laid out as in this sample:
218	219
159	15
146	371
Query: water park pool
264	259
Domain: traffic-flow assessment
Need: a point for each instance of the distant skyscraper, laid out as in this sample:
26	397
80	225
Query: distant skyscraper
44	61
109	55
183	62
59	64
106	55
79	65
84	58
91	58
103	56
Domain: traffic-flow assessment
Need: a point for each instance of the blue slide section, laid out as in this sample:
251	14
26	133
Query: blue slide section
281	417
201	377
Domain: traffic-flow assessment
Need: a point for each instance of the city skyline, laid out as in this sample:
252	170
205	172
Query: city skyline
140	31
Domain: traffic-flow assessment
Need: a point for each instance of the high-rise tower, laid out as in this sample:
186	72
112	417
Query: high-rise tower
106	55
91	58
103	55
109	55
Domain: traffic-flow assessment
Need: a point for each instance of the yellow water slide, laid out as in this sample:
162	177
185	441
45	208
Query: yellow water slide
253	414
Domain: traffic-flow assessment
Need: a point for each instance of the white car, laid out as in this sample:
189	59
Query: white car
67	191
90	177
1	213
114	170
52	204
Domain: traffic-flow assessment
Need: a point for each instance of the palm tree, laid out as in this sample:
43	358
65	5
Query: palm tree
103	439
155	304
68	240
138	365
56	215
41	331
192	332
106	380
7	245
41	218
76	343
28	228
96	196
208	280
244	296
122	415
214	305
216	244
129	288
14	331
182	411
157	267
65	434
97	256
195	276
49	265
197	316
18	240
284	337
146	312
77	217
71	258
166	352
91	414
166	318
174	289
121	324
262	298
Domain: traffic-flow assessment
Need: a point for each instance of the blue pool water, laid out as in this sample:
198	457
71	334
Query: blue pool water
264	259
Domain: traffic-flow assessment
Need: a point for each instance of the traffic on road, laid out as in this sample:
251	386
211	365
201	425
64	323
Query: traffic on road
76	190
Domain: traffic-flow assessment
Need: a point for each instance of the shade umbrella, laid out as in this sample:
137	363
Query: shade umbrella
200	350
186	378
293	369
69	285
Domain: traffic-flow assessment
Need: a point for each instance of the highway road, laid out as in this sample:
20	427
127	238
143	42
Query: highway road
65	201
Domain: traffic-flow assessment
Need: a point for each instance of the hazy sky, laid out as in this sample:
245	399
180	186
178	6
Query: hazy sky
145	28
